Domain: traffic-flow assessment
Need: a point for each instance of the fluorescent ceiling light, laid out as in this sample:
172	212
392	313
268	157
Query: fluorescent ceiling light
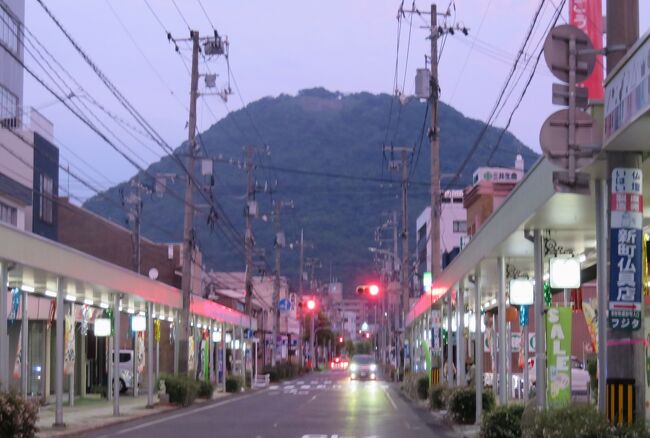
70	297
27	288
103	305
88	301
50	293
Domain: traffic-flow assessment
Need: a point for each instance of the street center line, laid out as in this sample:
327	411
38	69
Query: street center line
179	415
390	399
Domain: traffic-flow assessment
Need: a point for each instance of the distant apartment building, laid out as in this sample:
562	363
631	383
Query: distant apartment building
462	212
29	161
453	229
490	187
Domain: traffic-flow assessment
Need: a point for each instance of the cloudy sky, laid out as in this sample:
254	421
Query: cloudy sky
275	47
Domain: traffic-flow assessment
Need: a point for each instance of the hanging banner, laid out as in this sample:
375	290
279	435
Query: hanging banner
19	353
68	356
589	311
141	356
190	353
626	243
587	15
205	354
558	339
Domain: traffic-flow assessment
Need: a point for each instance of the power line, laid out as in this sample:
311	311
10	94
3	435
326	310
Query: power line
525	89
489	121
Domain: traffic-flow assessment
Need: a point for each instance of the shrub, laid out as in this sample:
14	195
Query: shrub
206	389
579	420
17	416
635	431
233	384
503	422
462	404
182	390
438	396
422	387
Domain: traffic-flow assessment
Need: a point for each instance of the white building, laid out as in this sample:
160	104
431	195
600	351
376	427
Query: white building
453	228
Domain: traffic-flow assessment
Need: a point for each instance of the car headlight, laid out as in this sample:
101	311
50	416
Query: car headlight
373	367
354	367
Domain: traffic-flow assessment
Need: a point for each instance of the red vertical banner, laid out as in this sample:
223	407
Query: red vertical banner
587	15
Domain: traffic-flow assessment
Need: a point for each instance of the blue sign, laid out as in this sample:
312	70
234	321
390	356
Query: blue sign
626	250
284	305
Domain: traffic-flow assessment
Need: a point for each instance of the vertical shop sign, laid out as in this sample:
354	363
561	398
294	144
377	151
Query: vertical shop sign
558	339
626	243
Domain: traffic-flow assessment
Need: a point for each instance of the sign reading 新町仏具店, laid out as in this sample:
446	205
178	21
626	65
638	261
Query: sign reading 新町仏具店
626	244
558	338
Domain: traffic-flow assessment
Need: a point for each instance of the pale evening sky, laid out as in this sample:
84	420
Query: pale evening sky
275	47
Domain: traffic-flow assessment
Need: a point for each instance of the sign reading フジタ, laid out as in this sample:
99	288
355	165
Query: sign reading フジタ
626	244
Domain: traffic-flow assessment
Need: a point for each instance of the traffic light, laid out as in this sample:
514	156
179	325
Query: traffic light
307	304
368	289
367	335
340	339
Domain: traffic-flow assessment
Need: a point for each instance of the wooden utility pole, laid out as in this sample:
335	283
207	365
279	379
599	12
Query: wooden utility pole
188	214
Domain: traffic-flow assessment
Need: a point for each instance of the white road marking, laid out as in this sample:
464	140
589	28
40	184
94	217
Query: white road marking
273	387
390	399
312	399
173	417
305	387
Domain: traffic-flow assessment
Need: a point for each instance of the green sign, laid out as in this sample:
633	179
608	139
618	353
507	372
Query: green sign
558	339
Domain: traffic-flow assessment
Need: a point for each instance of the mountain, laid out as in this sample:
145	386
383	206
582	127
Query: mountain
313	139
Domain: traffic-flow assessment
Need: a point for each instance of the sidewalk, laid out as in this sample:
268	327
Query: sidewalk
92	413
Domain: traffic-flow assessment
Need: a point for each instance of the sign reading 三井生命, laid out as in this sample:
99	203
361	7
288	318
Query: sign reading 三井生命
626	243
558	337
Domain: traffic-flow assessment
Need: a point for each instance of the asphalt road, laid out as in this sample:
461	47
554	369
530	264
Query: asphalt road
319	405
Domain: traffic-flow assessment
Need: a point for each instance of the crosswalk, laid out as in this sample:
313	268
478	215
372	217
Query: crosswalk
304	387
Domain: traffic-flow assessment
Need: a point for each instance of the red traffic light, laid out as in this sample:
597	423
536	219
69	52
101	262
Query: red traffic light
340	339
367	335
368	289
311	304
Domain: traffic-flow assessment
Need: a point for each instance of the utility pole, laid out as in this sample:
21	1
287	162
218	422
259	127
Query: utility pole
276	282
402	165
133	202
280	242
188	212
434	238
625	353
435	150
405	250
248	238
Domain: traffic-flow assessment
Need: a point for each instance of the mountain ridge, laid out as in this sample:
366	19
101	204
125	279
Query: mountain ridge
316	138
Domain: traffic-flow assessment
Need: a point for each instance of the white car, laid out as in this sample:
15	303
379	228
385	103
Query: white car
580	380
